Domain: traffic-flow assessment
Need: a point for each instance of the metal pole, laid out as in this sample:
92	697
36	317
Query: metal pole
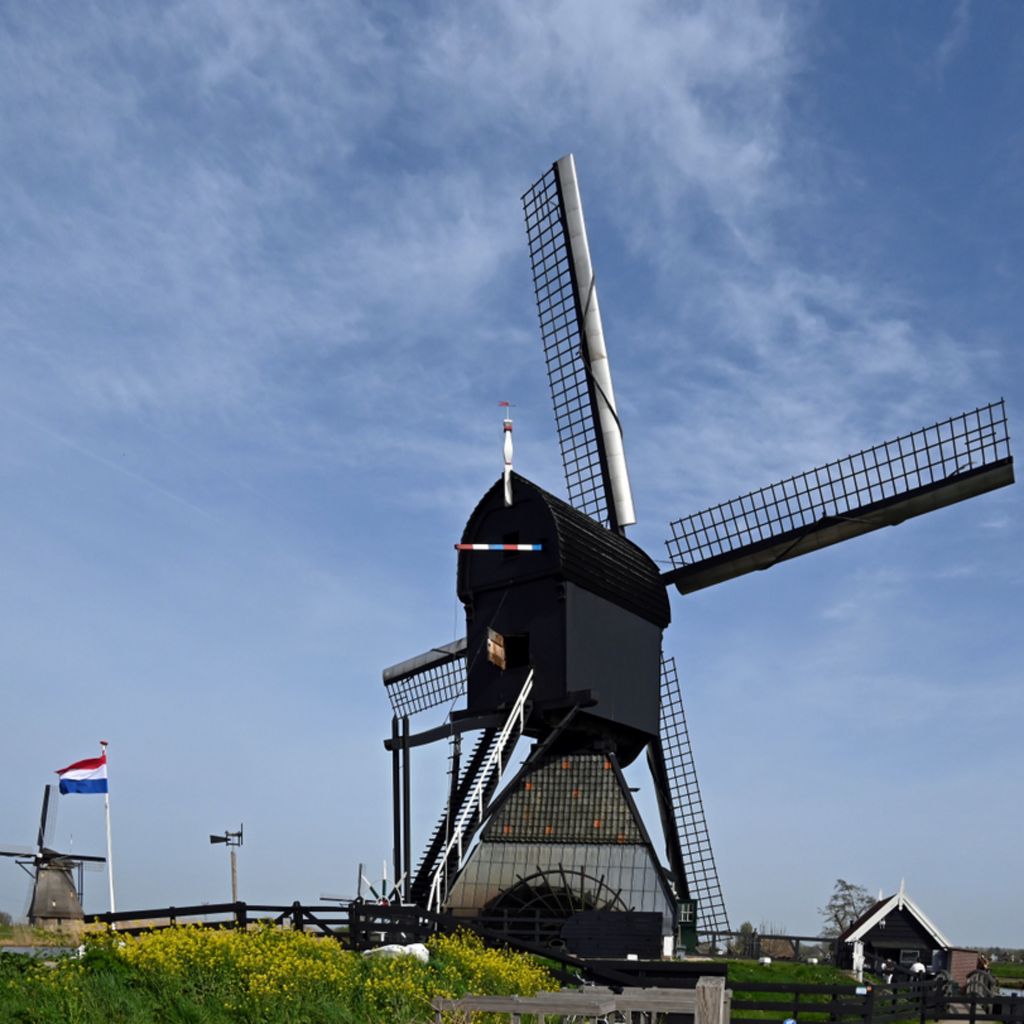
407	806
234	876
110	853
396	794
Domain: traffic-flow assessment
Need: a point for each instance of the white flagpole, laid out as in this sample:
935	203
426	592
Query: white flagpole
110	854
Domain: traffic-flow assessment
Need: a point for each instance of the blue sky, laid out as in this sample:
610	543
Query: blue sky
263	284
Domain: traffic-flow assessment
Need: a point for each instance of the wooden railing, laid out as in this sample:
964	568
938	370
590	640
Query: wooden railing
708	1003
752	945
362	925
916	1000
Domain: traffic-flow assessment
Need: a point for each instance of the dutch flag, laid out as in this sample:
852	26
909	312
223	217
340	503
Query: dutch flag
88	776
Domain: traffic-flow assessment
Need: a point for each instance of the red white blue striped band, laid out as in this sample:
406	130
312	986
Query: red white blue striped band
499	547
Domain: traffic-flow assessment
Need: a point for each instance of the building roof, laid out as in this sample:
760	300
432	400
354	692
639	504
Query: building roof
879	910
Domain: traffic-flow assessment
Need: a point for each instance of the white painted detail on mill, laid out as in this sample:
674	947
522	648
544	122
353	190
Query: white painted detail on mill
597	353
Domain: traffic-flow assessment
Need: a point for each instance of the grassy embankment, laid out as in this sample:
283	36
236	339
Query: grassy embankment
269	976
272	976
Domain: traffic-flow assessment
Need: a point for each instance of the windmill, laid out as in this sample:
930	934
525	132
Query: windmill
56	895
565	618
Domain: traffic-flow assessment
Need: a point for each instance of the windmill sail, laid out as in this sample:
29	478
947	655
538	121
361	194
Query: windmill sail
46	819
589	433
687	811
938	465
436	677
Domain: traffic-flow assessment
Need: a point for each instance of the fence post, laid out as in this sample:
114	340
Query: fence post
869	1005
929	1000
710	1003
297	916
241	915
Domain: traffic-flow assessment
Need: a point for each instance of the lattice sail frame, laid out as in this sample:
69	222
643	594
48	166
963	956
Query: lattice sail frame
586	420
688	806
869	480
435	678
558	312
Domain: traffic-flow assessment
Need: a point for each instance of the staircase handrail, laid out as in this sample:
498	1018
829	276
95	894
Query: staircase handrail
475	799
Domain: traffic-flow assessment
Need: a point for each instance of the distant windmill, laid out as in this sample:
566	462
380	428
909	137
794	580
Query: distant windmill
56	895
564	628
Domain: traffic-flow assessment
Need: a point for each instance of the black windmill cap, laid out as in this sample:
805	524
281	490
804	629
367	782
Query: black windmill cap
595	558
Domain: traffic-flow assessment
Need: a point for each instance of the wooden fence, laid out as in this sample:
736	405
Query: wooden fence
752	945
712	1003
362	925
974	1007
755	1002
707	1003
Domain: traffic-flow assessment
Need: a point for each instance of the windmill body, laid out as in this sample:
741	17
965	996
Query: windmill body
56	894
584	615
564	624
586	612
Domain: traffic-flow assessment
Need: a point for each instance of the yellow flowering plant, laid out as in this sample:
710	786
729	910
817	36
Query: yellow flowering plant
265	975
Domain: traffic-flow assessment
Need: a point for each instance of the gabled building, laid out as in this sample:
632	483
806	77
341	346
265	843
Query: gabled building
895	928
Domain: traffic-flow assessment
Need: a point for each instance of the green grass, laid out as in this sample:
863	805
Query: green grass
1009	975
784	971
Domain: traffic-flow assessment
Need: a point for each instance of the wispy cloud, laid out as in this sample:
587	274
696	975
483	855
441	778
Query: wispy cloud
231	241
955	38
268	261
108	464
228	235
995	523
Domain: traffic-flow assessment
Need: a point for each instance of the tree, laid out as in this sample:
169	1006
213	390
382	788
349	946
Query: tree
5	919
778	949
743	944
845	905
